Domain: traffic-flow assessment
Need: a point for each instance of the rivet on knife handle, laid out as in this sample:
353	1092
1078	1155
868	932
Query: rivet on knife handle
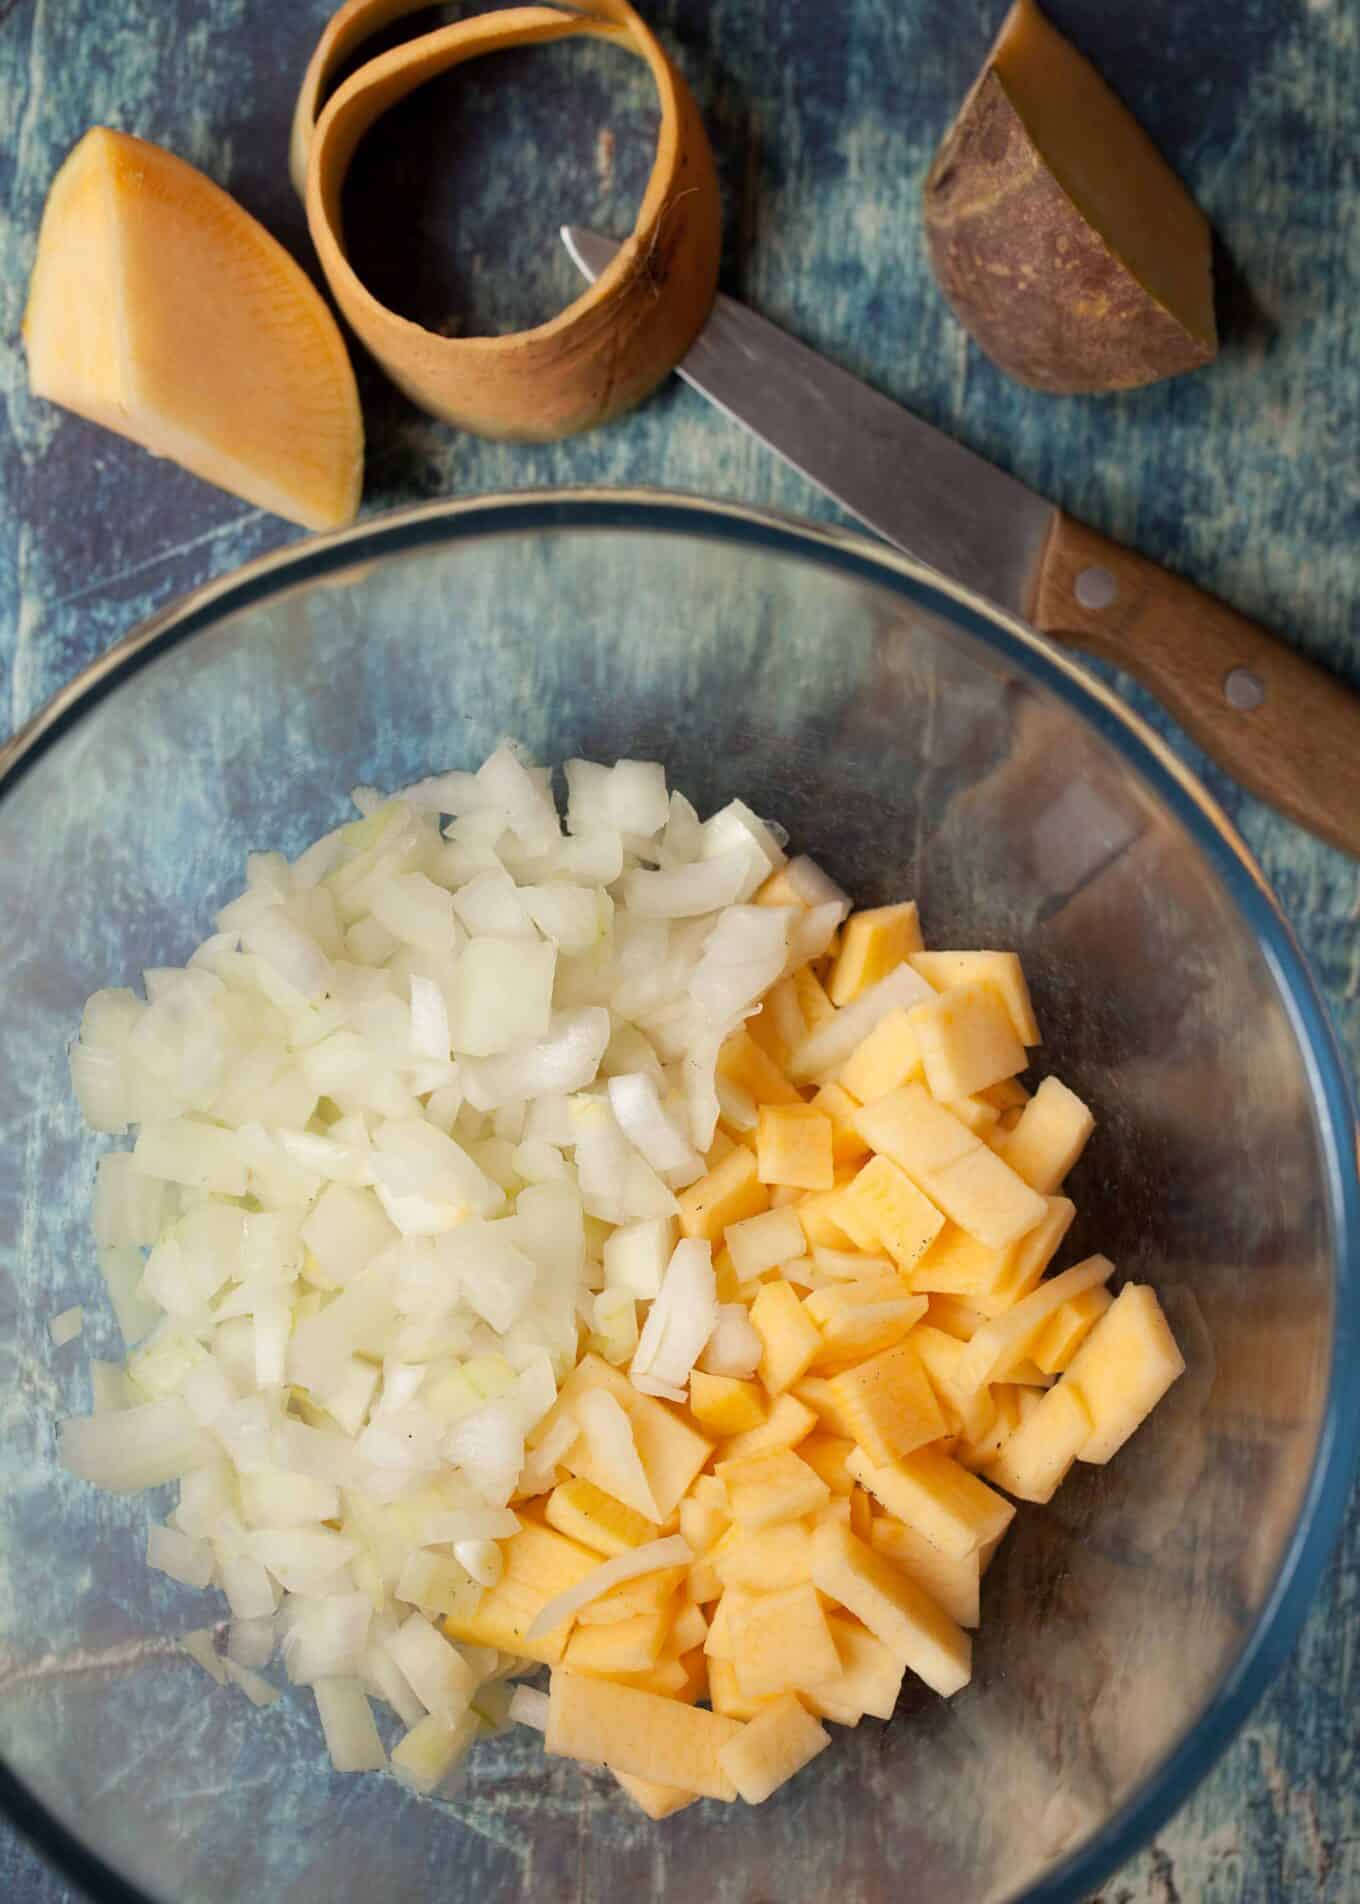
1286	729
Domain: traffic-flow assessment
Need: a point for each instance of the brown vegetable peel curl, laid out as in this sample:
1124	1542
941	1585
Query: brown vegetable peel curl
607	350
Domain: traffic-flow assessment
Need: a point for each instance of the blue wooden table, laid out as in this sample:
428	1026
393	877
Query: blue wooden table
824	117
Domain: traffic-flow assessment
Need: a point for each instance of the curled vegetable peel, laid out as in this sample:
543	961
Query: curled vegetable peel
616	342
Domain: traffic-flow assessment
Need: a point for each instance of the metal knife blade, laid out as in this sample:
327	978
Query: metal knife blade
908	482
1288	730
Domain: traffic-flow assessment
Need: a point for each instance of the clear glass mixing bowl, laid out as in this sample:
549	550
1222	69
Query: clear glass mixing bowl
915	743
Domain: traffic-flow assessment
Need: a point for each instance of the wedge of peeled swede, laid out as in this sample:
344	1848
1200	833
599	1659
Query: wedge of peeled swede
161	309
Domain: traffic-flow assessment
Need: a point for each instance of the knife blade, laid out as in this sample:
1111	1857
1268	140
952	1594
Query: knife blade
909	483
1285	728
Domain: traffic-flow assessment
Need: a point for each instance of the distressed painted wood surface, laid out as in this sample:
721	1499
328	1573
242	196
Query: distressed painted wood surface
824	117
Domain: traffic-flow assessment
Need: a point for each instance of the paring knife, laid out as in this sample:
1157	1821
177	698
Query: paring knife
1283	727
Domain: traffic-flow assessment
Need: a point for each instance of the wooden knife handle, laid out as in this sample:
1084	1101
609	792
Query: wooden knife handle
1285	728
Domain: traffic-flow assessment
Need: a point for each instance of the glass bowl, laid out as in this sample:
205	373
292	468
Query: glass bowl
916	743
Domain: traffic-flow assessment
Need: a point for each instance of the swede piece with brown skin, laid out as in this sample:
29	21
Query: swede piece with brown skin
1061	238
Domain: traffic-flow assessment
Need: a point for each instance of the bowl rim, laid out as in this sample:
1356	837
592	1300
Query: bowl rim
850	553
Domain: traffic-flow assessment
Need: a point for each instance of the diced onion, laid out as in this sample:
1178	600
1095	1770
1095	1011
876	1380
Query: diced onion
681	1319
688	892
170	1552
407	1133
736	826
347	1721
834	1040
734	1348
140	1448
256	1688
482	1559
636	1255
645	1123
432	1750
199	1646
529	1707
327	1637
436	1671
66	1327
539	1472
745	954
250	1643
488	1446
609	1436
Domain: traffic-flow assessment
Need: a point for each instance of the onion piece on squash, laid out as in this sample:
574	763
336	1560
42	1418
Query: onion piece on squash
653	1557
609	1435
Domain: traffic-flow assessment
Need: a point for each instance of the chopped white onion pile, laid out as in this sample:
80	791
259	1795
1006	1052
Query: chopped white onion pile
410	1126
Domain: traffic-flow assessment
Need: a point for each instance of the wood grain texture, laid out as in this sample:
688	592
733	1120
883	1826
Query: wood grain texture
1282	726
824	119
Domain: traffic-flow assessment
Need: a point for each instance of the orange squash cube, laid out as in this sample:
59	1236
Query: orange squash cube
1002	970
968	1412
980	1116
883	1209
724	1405
788	1335
638	1732
890	1056
951	1580
813	1000
1125	1366
744	1063
956	1315
825	1454
538	1564
1036	1458
1004	1341
761	1559
1050	1136
952	1166
936	1496
781	1642
765	1489
890	1403
779	1741
966	1041
895	1610
817	1214
584	1512
787	1423
626	1646
671	1449
726	1697
726	1195
657	1801
956	1264
872	943
794	1146
857	1319
870	1679
1065	1331
835	1102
